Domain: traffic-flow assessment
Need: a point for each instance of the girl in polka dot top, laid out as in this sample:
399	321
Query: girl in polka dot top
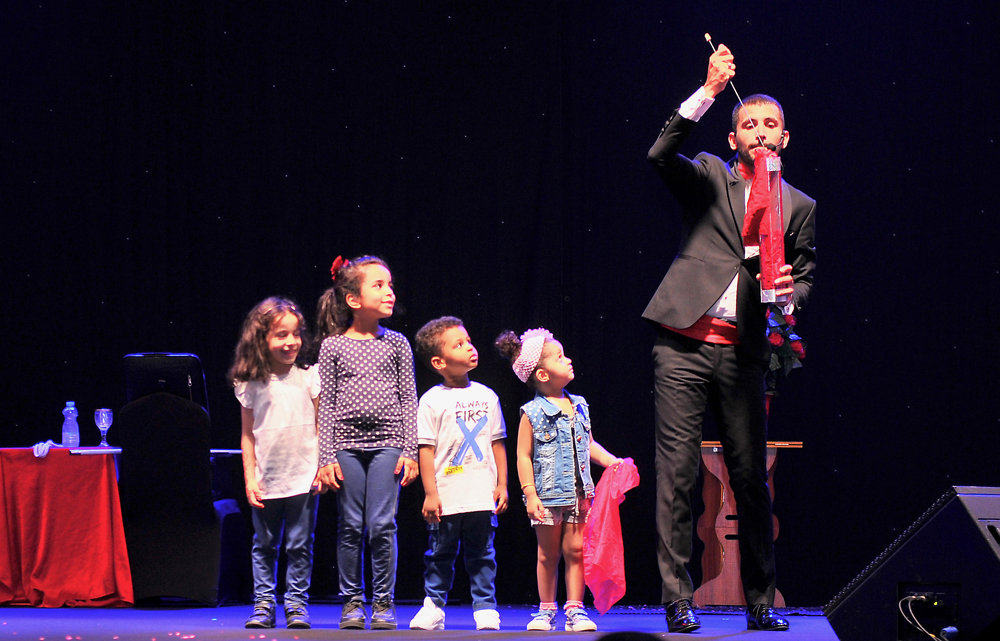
367	429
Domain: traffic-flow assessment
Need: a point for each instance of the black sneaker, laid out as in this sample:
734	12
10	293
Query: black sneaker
263	615
383	615
352	616
296	616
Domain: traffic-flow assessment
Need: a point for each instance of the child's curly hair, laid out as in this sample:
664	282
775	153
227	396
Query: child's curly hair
252	361
509	345
427	342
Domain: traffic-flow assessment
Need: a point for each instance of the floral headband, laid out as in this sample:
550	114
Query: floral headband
338	264
532	342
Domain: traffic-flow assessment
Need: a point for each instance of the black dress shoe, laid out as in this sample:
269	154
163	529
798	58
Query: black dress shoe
764	617
681	616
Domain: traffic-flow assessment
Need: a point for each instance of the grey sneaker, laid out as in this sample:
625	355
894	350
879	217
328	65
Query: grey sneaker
296	616
263	615
352	616
383	615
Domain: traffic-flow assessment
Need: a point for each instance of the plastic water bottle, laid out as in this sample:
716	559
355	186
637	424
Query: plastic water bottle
71	430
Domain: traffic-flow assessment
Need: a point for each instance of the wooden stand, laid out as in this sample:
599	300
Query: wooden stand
719	531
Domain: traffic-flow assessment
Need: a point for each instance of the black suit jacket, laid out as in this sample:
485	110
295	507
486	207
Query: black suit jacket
711	194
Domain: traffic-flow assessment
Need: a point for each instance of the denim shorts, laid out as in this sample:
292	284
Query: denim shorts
576	513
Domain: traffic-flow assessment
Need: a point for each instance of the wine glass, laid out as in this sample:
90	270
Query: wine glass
103	418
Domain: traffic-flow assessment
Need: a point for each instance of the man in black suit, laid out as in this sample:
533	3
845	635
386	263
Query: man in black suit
711	347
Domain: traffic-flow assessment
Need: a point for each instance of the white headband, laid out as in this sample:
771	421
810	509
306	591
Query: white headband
532	342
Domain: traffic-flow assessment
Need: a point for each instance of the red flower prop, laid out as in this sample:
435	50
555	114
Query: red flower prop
787	348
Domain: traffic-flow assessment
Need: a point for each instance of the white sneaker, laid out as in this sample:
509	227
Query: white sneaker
578	621
544	620
429	617
486	619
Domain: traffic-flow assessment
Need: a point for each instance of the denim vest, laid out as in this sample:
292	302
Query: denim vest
552	454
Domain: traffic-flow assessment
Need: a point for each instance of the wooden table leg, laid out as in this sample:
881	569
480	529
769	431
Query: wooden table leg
718	529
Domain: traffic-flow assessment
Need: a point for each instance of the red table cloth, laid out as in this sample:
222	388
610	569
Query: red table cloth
61	536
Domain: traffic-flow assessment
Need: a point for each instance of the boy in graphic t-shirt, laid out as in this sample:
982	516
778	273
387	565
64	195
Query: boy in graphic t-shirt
463	466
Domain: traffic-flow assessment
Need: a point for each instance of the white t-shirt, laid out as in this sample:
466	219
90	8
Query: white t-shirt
464	468
284	428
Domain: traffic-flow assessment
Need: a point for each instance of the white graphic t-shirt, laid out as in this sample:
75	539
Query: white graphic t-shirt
462	423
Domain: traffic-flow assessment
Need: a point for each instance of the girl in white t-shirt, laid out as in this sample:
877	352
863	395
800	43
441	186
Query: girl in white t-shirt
280	454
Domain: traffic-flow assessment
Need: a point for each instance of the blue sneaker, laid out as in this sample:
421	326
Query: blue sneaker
578	621
543	620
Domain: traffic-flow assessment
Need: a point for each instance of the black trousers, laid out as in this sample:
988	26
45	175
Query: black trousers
690	376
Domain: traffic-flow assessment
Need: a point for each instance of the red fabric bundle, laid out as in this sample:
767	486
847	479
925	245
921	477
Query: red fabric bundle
759	201
763	225
603	550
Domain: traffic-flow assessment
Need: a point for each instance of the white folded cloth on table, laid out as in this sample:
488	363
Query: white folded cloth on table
41	450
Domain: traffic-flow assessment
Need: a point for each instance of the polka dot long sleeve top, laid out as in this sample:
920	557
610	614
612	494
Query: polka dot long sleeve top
368	397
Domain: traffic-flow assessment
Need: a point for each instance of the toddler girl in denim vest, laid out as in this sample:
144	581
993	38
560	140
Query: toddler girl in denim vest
554	451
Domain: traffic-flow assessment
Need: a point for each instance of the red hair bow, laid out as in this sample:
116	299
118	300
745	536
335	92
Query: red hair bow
337	264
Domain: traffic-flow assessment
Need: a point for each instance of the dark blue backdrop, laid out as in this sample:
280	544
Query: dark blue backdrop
167	165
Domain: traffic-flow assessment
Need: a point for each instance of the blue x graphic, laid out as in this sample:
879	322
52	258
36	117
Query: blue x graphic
470	440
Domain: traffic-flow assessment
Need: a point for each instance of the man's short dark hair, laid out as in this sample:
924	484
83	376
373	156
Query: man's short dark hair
757	99
428	338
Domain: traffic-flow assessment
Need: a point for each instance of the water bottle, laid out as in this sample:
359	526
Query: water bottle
70	431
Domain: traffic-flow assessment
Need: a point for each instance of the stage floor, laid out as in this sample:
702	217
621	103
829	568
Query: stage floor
225	623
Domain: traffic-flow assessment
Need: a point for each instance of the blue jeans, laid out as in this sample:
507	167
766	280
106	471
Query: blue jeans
298	516
473	532
367	500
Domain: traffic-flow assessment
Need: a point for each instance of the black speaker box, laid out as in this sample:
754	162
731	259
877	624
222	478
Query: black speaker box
947	562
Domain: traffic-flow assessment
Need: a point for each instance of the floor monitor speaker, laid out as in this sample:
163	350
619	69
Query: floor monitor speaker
944	571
